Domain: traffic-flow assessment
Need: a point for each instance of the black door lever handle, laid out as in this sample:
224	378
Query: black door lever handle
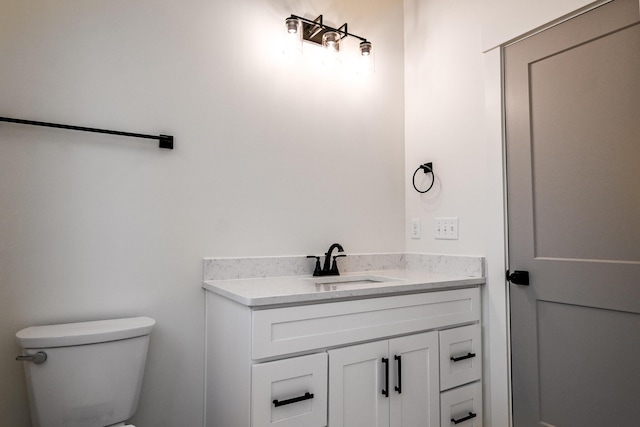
519	277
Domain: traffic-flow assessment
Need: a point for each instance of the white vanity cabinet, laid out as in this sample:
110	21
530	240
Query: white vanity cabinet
375	361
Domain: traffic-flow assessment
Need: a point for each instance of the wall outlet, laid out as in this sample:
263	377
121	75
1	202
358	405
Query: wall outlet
447	228
416	232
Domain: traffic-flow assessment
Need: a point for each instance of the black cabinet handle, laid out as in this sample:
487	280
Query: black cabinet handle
459	358
306	396
461	420
399	386
385	390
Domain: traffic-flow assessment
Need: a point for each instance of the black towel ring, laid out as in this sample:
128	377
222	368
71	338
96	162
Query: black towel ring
427	168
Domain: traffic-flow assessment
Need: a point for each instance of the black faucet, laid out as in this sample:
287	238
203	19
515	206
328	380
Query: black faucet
328	269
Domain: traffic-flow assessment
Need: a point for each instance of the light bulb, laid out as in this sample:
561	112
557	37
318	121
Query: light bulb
365	48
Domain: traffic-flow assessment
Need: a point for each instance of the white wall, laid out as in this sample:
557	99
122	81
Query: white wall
454	119
271	158
444	90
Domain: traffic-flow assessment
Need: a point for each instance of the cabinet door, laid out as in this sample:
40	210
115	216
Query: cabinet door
357	379
290	392
415	391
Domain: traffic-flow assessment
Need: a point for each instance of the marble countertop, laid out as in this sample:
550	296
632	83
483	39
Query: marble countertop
266	291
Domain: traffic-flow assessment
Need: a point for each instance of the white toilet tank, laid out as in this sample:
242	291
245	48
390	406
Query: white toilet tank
92	374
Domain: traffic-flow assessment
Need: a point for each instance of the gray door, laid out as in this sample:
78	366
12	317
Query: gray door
572	99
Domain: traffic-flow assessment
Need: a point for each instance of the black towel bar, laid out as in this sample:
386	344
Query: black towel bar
165	141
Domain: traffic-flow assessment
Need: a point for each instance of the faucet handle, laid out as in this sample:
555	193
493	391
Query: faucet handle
317	270
334	267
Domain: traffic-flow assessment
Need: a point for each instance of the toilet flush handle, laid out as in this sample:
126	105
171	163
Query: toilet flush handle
39	358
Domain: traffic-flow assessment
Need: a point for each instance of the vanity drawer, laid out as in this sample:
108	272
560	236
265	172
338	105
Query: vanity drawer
297	329
290	392
460	356
462	406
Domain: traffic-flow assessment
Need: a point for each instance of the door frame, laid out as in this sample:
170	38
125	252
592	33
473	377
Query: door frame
498	341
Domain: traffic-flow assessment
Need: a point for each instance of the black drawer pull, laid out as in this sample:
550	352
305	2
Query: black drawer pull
306	396
461	420
468	356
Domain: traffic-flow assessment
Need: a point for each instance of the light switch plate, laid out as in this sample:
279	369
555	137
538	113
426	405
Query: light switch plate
446	228
416	232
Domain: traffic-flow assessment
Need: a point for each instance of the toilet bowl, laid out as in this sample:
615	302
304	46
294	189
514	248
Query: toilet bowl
86	373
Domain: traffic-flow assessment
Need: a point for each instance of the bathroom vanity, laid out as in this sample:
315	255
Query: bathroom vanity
381	348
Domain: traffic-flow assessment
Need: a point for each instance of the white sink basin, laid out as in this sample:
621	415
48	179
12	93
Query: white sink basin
350	280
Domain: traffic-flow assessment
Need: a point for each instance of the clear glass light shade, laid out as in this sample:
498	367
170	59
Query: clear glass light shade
293	37
366	58
331	44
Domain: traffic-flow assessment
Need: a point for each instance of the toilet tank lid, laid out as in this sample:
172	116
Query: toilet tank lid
80	333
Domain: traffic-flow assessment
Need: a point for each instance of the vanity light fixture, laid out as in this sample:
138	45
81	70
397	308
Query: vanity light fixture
300	29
